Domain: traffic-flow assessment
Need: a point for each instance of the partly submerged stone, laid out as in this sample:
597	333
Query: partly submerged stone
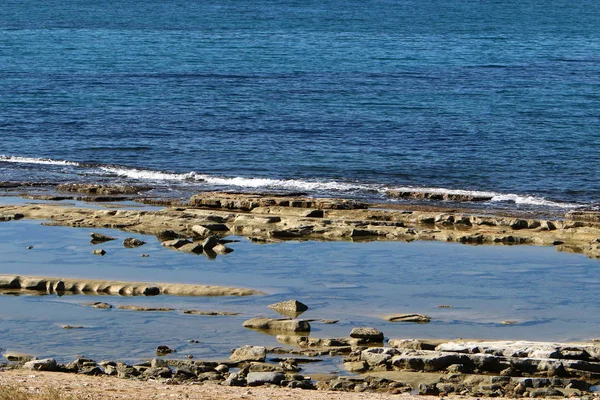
133	242
164	350
175	243
100	238
14	356
417	318
291	308
367	333
282	325
99	304
210	313
142	308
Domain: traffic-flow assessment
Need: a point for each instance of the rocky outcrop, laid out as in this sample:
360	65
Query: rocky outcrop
249	201
88	286
101	189
437	196
266	219
515	367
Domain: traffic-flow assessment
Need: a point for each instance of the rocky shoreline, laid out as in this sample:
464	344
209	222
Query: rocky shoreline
429	367
268	218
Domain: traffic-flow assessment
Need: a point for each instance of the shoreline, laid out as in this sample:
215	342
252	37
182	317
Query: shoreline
268	218
208	218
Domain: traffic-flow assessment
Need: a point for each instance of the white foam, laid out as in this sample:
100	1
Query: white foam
32	160
496	197
255	183
293	184
532	200
143	174
288	184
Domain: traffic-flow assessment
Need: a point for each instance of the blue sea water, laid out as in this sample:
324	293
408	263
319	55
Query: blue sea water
344	98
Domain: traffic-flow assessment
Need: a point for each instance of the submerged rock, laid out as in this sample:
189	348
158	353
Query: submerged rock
100	238
417	318
289	325
99	304
133	242
15	356
164	350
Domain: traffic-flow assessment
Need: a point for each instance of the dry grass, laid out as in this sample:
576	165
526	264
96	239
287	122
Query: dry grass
16	393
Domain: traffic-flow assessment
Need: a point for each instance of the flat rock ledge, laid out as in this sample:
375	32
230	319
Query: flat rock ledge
90	286
268	218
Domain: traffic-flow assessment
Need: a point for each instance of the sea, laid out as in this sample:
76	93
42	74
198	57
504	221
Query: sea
329	98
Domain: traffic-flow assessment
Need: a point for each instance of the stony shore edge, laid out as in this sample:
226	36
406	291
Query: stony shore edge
403	366
428	367
268	218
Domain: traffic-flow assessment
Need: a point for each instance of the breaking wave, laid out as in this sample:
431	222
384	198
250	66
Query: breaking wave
311	186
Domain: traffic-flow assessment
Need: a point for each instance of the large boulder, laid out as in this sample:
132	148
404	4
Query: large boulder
47	364
263	378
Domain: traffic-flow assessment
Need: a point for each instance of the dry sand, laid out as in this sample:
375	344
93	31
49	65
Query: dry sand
105	387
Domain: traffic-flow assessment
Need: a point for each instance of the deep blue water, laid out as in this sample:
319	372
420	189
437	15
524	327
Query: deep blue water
330	97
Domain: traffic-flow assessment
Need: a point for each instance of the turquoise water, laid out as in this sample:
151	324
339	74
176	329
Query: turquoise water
331	98
551	296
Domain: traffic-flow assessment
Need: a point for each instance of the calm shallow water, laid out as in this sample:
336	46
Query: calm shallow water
552	296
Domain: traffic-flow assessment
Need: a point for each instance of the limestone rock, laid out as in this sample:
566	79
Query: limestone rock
356	366
210	242
14	356
194	247
99	304
175	243
283	324
249	353
210	313
289	307
201	231
368	333
263	378
47	364
133	242
417	318
101	189
164	350
222	249
142	308
100	238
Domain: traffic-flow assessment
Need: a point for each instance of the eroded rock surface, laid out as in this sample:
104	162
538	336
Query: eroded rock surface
265	218
89	286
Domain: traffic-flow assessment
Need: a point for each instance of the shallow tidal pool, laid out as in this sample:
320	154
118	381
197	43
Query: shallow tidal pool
550	296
